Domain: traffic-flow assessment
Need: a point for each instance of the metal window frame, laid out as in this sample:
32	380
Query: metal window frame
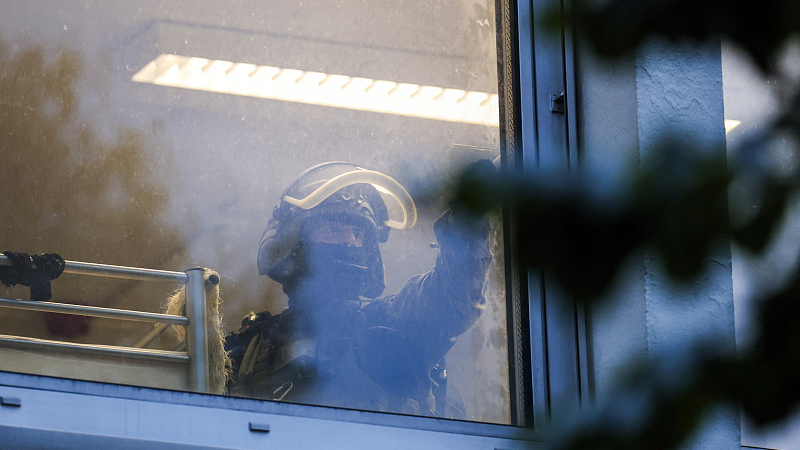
548	332
557	324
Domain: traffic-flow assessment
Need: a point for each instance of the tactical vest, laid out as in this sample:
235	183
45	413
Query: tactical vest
338	361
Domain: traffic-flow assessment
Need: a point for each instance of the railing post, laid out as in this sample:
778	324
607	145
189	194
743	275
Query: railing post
196	332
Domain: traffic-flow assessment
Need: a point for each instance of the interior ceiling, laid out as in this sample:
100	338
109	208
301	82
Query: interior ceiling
357	37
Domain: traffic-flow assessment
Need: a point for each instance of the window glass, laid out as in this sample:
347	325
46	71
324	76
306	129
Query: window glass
290	147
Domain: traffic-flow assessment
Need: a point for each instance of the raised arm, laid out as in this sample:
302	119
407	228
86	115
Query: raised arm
434	308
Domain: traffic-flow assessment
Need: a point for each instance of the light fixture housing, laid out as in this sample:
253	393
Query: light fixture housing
317	88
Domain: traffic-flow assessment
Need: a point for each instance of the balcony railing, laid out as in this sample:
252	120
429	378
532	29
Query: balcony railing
196	354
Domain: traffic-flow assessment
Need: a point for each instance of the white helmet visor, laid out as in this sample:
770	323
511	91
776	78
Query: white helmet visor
320	182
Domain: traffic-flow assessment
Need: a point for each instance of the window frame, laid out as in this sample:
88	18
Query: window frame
547	335
557	325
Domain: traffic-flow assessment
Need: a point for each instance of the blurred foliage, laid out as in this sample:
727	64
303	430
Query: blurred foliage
65	189
617	27
675	208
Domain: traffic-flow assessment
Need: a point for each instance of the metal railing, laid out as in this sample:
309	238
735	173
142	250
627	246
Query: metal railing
196	354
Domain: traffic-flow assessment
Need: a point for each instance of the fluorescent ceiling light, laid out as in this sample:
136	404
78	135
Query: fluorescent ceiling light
365	94
730	124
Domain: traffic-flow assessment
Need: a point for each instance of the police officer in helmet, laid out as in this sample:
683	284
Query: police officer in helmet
339	342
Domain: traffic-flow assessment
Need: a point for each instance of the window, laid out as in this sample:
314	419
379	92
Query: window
167	136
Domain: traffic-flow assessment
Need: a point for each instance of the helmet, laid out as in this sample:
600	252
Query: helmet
340	192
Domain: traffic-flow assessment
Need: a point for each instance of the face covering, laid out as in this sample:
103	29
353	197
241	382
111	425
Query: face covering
333	271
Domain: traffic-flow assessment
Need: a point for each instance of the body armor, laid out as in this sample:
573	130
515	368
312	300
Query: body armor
354	350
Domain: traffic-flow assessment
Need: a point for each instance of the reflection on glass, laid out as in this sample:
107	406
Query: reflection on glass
103	166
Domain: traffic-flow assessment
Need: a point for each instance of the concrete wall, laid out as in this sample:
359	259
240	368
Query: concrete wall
625	108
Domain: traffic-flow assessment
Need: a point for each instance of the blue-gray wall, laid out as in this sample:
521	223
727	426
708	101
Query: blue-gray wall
626	106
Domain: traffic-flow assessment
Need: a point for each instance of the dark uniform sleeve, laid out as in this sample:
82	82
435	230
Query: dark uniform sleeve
432	309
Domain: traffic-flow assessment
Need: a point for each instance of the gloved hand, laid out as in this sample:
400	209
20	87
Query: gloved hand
470	198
